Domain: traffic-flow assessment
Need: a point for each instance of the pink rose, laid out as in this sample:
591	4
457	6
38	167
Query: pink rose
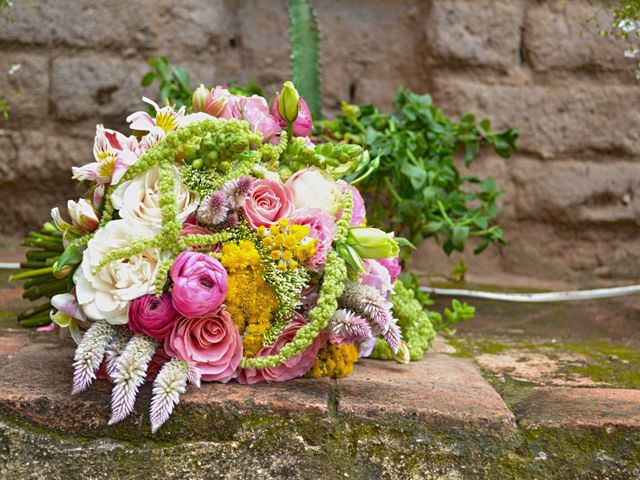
392	265
267	202
212	343
255	110
322	228
293	368
154	316
359	211
199	284
190	227
377	276
303	125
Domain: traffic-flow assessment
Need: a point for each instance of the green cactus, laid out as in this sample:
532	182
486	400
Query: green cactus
305	54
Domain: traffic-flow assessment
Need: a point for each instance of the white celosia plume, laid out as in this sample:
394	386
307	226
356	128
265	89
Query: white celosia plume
119	342
170	383
89	354
129	374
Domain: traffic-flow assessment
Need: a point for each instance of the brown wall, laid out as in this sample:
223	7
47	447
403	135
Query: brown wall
573	191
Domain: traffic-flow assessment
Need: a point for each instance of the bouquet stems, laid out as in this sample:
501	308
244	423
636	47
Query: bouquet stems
39	320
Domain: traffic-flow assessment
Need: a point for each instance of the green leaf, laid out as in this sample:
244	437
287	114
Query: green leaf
459	237
417	176
162	65
182	76
148	79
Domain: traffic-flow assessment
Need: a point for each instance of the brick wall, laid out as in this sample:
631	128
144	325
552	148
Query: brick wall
573	191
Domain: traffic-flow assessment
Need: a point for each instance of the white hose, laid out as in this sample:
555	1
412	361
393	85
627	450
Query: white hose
9	266
538	297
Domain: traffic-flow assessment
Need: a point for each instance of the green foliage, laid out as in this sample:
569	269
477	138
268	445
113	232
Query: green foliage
304	37
173	82
413	180
616	12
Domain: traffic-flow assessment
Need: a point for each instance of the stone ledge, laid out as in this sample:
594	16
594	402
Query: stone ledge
575	407
438	392
432	419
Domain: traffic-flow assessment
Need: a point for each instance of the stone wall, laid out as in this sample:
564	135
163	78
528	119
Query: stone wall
573	190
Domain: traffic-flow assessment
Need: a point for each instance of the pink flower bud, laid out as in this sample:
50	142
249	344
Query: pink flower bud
199	99
199	284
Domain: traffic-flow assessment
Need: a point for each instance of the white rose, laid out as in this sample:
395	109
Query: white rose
139	199
107	294
314	188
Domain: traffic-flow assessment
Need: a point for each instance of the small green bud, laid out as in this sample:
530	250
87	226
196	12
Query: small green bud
198	163
207	143
288	103
190	151
212	157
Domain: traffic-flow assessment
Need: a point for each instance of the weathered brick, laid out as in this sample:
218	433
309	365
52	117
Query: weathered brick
554	119
95	85
26	91
370	49
577	191
558	37
478	33
8	155
190	24
80	23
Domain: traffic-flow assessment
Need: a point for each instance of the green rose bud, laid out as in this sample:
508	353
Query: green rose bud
350	257
288	103
372	242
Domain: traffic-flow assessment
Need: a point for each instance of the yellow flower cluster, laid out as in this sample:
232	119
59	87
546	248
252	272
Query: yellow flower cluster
334	361
290	244
250	300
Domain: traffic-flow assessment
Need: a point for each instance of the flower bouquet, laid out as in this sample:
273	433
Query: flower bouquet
220	244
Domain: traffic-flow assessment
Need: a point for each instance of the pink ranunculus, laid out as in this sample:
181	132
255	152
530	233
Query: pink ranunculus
293	368
255	110
322	227
377	276
154	316
359	211
392	265
303	124
267	202
211	343
199	284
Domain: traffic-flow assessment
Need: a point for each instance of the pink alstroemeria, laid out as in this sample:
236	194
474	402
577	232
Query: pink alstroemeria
68	313
166	118
113	152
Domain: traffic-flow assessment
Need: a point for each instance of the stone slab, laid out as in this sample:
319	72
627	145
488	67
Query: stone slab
580	407
440	390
